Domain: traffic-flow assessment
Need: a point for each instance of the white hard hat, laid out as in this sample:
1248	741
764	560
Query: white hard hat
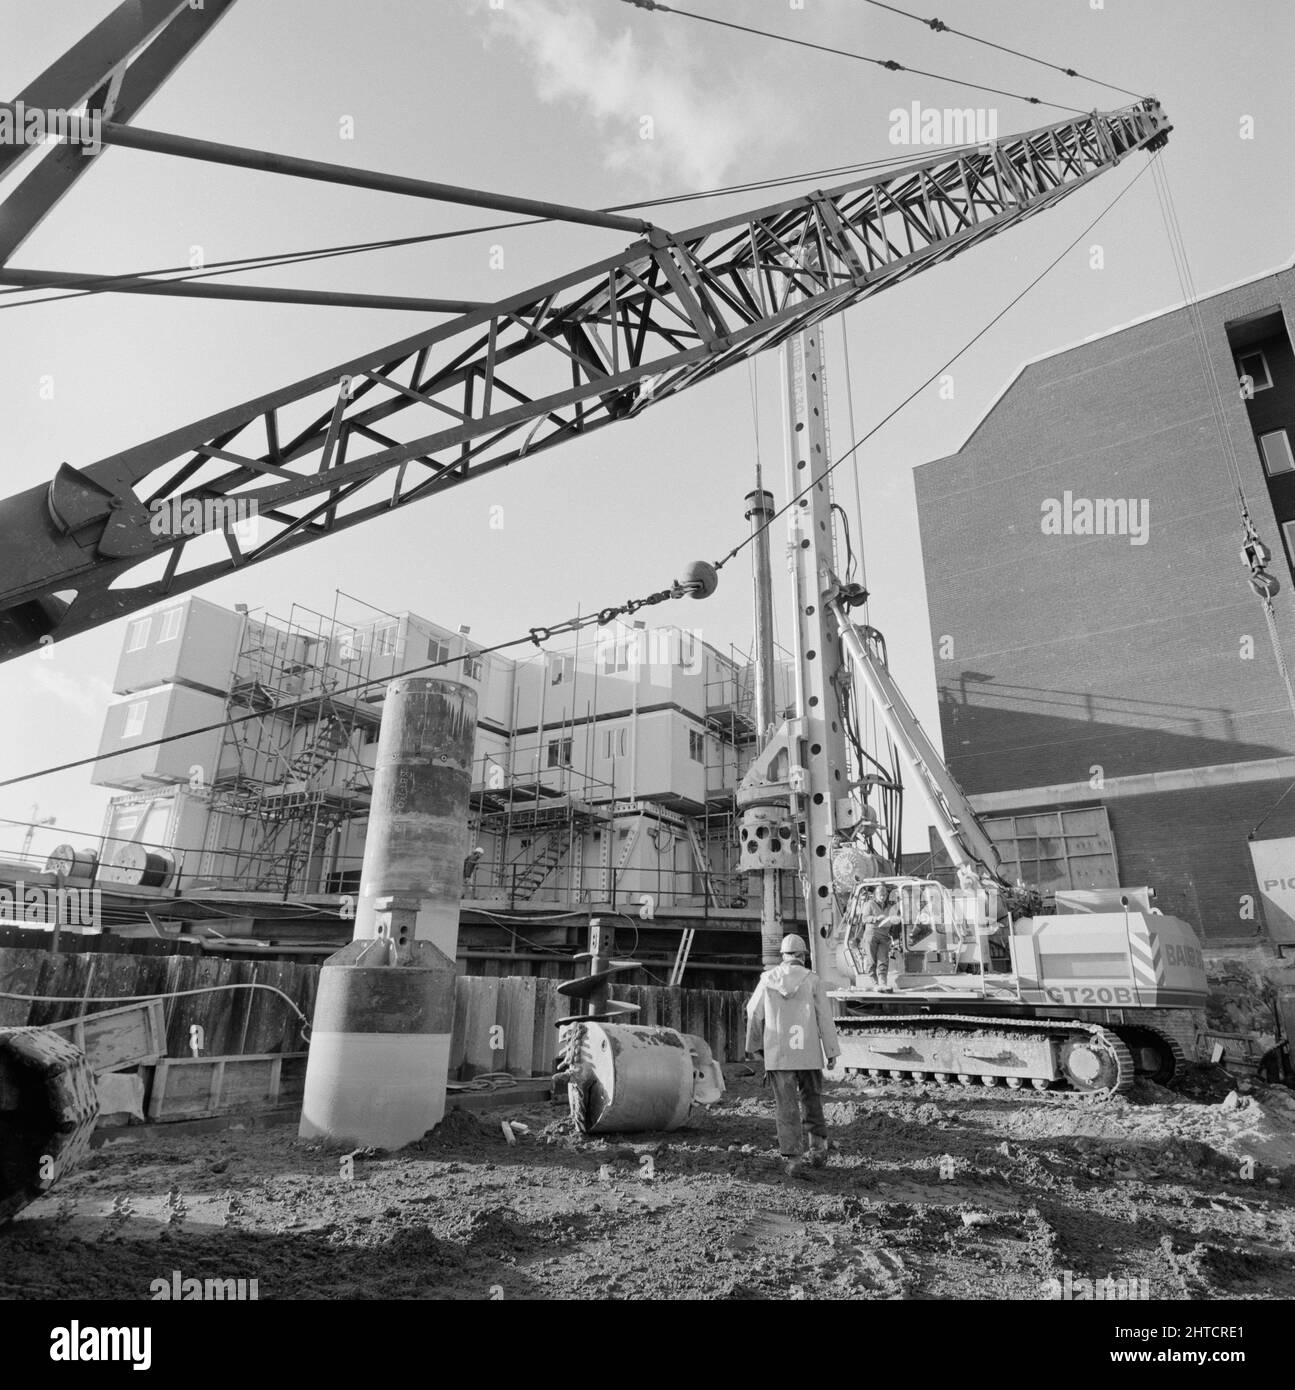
794	945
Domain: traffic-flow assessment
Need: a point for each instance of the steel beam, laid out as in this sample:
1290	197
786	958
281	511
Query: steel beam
504	382
84	70
238	157
90	62
198	289
825	806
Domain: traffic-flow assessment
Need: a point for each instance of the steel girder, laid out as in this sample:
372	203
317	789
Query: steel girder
114	70
406	421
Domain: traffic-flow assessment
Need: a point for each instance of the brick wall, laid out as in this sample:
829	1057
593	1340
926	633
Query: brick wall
1075	651
1191	847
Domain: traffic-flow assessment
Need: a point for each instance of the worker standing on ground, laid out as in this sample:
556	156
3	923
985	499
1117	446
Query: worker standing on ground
789	1024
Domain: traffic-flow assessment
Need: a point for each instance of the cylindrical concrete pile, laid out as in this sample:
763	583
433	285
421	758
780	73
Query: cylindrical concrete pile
380	1044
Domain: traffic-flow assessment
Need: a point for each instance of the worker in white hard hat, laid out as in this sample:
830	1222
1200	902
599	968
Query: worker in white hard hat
882	922
789	1024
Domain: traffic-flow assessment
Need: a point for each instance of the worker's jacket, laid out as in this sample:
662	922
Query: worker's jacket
789	1019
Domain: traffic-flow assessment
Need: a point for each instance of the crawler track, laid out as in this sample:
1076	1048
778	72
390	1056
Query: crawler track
1100	1066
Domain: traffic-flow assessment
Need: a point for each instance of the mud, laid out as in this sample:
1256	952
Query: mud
931	1194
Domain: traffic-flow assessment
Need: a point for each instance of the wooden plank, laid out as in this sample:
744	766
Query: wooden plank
737	1028
271	1024
462	987
649	999
19	972
46	977
207	1009
124	1036
190	1088
178	976
304	992
242	1002
150	974
692	1012
222	1041
549	1007
672	1010
517	1016
118	976
711	1011
478	1056
505	1011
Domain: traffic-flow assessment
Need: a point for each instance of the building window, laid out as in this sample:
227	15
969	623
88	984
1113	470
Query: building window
697	745
137	634
472	670
559	752
384	640
562	669
1288	535
170	624
687	649
615	743
437	650
1255	366
135	719
616	658
1276	449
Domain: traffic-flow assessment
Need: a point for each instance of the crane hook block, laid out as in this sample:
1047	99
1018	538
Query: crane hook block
700	579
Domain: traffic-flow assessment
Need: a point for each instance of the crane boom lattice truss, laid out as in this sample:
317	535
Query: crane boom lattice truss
404	422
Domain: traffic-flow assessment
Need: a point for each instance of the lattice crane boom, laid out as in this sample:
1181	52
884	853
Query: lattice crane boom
405	421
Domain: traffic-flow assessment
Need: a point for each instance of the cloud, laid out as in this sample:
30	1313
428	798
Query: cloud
697	134
89	697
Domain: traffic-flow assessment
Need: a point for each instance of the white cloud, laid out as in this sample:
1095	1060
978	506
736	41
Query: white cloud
698	135
89	697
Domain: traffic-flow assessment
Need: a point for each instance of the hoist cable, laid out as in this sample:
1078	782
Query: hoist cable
940	27
935	375
888	63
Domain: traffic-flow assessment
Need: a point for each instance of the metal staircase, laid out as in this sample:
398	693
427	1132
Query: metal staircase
537	868
330	736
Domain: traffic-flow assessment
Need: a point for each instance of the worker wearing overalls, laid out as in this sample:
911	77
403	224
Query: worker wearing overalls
789	1023
883	917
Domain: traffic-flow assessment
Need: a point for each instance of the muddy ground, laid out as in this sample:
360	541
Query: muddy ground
932	1194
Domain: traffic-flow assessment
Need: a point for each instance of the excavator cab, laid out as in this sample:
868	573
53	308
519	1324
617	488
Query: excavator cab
941	930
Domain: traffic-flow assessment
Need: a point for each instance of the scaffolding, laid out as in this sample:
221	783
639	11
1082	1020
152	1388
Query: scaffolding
290	777
549	809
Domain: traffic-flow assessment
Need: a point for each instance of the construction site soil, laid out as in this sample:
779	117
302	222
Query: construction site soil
931	1193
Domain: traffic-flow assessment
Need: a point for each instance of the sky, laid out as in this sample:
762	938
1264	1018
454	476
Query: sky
546	99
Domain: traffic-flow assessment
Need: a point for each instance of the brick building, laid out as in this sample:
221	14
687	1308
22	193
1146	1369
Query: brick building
1109	694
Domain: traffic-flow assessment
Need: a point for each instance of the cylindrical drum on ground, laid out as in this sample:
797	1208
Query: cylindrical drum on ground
639	1078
